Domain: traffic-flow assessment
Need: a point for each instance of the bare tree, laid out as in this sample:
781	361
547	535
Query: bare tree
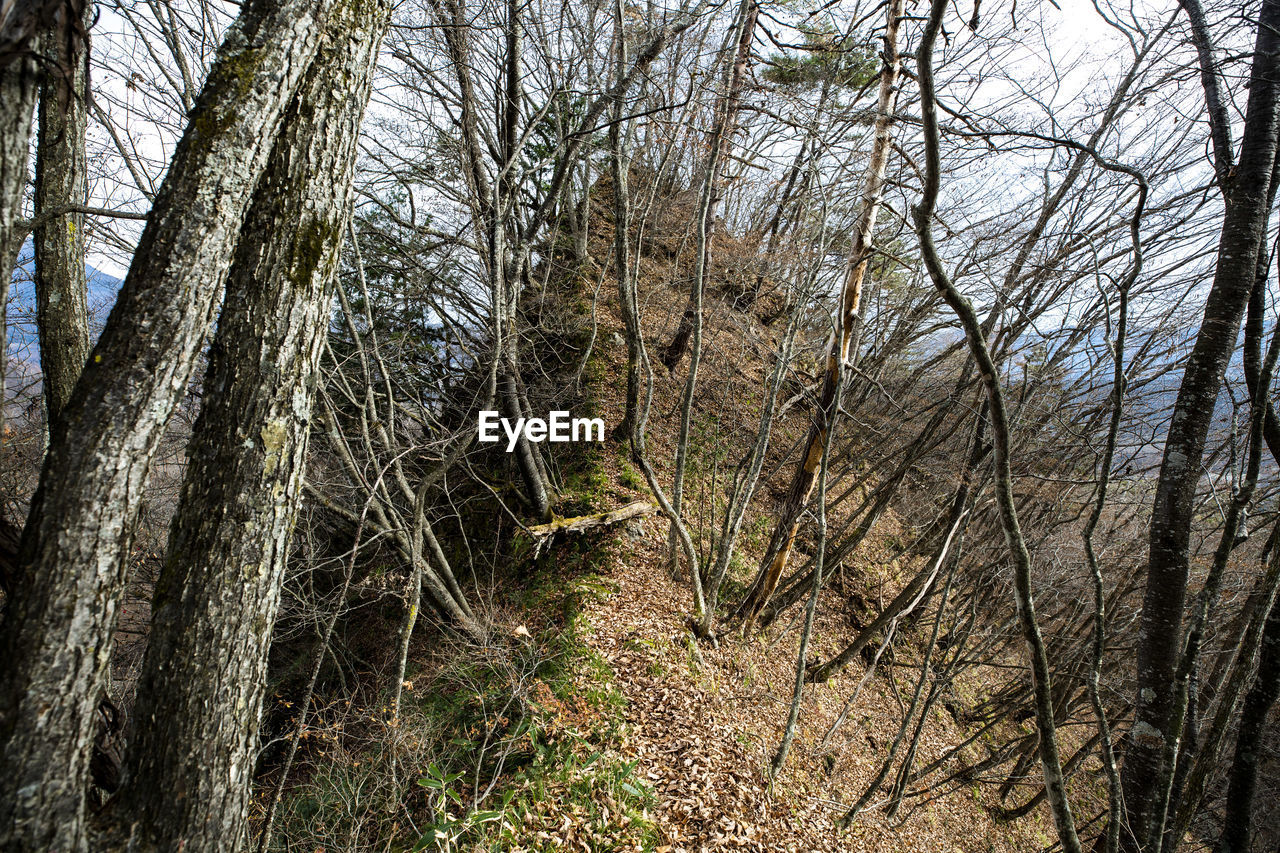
1244	181
923	214
788	522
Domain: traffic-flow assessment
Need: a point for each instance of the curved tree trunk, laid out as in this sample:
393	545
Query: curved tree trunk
1245	191
1051	763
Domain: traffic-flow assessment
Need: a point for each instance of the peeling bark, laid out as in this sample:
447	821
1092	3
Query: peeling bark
802	483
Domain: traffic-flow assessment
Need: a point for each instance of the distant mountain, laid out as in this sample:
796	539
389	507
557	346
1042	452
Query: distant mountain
23	364
102	287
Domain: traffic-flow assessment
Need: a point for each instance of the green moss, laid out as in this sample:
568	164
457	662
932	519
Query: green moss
230	81
631	478
561	747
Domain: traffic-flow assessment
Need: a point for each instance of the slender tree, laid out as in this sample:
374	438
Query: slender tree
789	517
922	214
1244	180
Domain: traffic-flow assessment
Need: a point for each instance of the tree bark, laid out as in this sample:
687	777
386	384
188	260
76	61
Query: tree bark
19	85
1242	784
1245	191
73	559
191	756
62	310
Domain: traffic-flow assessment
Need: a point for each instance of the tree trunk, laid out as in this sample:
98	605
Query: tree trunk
802	483
1245	191
922	214
721	135
73	559
191	756
1243	779
62	310
19	85
708	197
628	304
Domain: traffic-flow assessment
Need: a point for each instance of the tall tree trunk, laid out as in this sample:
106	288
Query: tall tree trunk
1110	839
628	304
922	214
722	132
19	86
191	756
73	559
721	136
1245	191
62	310
802	483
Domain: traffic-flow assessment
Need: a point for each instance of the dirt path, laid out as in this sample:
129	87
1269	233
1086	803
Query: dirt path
703	726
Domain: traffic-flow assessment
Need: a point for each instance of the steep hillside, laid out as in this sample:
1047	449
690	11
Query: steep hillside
594	720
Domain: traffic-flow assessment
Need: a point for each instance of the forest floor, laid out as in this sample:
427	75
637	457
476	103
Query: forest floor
594	722
703	726
702	722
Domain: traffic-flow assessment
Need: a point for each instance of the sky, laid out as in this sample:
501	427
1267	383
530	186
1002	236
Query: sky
1076	25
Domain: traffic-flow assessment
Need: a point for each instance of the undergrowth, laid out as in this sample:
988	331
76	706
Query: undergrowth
516	746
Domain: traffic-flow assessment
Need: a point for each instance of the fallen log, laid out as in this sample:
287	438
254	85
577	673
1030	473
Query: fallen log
542	533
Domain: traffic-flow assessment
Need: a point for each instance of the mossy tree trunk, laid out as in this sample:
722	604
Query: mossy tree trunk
191	756
62	309
73	559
